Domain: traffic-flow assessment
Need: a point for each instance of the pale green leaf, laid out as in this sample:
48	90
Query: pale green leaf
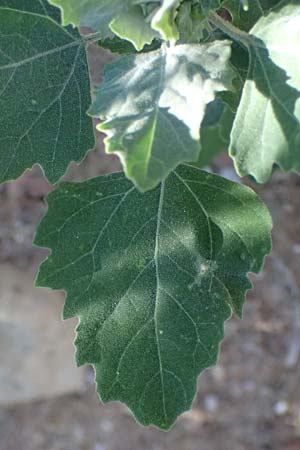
96	14
44	93
164	20
152	278
153	105
124	17
131	25
266	130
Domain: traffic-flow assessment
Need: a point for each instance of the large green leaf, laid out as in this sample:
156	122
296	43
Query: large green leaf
266	130
44	93
152	278
153	105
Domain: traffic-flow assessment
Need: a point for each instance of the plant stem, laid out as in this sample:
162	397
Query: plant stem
92	36
235	33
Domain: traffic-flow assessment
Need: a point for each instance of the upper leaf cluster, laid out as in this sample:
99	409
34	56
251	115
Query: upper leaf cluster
224	51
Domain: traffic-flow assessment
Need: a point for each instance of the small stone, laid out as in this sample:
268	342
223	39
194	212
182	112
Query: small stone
230	174
249	386
281	408
98	446
106	425
218	373
211	403
296	249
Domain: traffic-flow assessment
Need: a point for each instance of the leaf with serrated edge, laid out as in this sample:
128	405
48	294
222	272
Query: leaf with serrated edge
266	130
152	289
96	14
44	94
123	17
153	105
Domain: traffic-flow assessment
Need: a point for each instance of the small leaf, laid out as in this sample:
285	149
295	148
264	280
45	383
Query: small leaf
131	25
152	278
266	129
153	105
44	93
164	20
190	22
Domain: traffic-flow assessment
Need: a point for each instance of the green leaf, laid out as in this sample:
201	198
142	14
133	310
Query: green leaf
190	22
44	93
152	278
266	129
124	17
245	17
164	20
153	105
131	25
215	132
96	14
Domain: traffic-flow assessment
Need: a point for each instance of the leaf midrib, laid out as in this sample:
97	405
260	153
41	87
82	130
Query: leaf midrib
156	261
156	108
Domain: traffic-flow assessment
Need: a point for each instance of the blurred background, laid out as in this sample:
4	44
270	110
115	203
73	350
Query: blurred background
249	401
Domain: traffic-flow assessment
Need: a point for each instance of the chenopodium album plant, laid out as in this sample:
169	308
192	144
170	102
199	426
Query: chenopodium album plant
155	260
